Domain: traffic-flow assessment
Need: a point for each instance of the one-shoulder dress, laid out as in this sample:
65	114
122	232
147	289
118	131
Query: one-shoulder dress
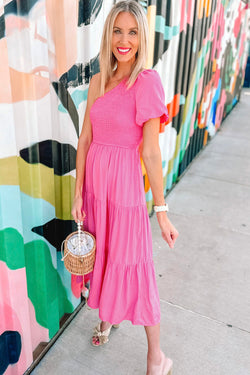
123	283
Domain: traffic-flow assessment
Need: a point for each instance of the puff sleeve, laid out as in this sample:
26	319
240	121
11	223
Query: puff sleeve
150	98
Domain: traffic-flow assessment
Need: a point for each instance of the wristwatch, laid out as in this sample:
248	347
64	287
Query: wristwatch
161	208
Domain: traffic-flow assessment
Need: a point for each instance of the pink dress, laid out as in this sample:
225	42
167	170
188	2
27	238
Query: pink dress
122	284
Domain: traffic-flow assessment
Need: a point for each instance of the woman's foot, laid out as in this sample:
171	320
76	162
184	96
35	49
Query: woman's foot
104	326
160	365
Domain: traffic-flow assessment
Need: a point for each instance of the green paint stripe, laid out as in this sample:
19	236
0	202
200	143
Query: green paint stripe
12	248
45	288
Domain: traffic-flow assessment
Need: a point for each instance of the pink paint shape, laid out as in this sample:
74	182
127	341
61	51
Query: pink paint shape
237	23
18	314
76	285
13	23
183	21
191	131
39	333
190	14
15	313
219	112
242	44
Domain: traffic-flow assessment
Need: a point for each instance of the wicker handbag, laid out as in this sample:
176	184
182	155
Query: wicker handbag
79	251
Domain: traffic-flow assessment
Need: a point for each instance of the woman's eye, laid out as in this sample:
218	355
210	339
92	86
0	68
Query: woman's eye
119	32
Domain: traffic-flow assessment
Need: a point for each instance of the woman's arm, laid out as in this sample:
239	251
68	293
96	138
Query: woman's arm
151	155
84	142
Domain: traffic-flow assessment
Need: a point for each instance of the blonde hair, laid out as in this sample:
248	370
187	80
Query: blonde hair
107	58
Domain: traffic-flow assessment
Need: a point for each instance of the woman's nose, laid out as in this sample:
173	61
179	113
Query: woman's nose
124	37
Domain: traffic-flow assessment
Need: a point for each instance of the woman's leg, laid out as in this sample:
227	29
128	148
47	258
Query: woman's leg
154	356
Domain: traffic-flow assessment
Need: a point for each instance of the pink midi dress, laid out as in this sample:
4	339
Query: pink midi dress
122	283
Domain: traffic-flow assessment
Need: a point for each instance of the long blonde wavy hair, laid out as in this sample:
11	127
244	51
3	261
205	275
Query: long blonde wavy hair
107	58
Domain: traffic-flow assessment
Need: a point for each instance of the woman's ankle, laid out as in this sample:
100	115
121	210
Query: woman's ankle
155	357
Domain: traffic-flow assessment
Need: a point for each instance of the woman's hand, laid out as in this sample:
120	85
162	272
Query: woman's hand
77	212
168	231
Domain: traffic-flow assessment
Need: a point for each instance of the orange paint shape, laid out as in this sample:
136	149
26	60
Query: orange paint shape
205	138
173	110
206	5
18	86
63	32
214	66
27	86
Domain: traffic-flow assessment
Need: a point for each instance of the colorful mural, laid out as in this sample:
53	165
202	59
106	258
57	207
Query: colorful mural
49	51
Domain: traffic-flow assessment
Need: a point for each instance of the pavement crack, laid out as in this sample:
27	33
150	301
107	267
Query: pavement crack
204	316
219	179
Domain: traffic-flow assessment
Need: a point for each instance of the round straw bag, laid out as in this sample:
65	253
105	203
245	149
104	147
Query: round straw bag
79	252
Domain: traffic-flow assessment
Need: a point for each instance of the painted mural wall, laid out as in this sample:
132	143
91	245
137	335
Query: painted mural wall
48	53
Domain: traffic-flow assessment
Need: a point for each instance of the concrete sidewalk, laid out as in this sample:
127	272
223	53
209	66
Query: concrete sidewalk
204	283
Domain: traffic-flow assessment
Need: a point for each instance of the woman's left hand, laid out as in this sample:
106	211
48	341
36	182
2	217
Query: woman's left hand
168	231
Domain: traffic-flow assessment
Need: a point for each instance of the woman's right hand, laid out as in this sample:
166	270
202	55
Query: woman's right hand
77	212
168	231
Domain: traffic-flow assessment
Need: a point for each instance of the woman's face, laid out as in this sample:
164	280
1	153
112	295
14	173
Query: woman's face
125	40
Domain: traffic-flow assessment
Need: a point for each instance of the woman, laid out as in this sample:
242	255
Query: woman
125	106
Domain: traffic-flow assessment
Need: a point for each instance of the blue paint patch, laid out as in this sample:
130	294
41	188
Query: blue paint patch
235	100
78	96
215	99
144	4
163	163
11	213
37	212
22	212
171	32
182	99
61	108
149	196
217	92
169	181
167	31
160	24
194	46
10	349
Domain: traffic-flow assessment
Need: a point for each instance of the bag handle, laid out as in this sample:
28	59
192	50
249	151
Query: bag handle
62	253
81	242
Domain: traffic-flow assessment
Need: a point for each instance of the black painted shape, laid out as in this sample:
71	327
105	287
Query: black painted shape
92	68
55	231
59	156
68	103
88	11
2	26
195	145
74	77
10	349
19	7
80	73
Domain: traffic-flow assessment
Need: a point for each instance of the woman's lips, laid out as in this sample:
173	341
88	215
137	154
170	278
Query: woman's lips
123	51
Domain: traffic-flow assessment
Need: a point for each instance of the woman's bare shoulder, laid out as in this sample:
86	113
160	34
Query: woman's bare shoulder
94	85
95	79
